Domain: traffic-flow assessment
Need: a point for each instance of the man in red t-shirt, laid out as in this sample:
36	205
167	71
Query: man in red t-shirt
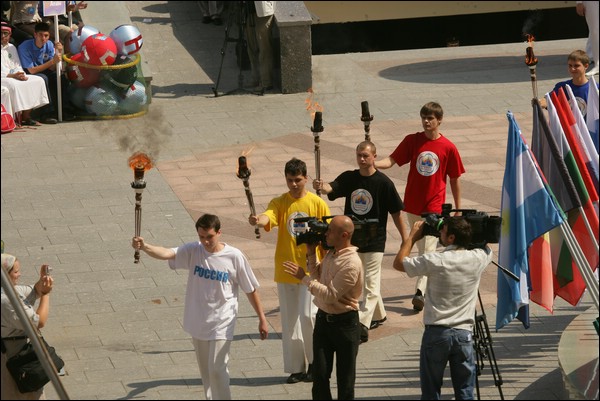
432	158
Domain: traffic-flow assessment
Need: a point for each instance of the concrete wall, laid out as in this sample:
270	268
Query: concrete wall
325	12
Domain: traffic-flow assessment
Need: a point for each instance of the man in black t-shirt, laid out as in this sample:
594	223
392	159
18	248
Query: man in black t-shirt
369	194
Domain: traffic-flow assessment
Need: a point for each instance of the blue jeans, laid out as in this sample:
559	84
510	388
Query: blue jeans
439	346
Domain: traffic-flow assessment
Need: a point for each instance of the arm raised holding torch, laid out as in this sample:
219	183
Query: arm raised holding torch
244	175
366	118
316	129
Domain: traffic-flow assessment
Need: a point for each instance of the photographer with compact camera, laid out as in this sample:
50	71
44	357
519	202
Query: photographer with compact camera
369	194
336	284
449	314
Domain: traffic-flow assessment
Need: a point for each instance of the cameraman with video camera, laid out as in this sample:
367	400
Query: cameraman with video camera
449	314
336	284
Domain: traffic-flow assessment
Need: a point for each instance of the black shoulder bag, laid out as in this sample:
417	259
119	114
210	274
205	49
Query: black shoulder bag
26	368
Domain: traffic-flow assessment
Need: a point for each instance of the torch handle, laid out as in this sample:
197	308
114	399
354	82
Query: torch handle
533	82
138	223
318	160
251	204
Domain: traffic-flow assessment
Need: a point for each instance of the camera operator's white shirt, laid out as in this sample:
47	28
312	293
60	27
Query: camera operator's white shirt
453	281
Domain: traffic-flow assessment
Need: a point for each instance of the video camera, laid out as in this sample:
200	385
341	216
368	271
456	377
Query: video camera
485	229
364	231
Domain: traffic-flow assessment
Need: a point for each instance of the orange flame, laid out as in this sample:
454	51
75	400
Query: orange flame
311	105
530	58
140	160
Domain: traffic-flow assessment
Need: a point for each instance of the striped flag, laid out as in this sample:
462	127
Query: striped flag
567	121
583	137
528	211
552	151
592	114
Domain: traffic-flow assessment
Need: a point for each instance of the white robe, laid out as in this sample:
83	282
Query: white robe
24	95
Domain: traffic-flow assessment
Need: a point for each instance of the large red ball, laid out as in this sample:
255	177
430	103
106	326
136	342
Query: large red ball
81	76
99	49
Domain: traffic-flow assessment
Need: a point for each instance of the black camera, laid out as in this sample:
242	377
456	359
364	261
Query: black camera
364	231
315	231
484	229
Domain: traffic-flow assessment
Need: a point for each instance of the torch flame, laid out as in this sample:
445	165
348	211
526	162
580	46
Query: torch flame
311	105
530	58
140	160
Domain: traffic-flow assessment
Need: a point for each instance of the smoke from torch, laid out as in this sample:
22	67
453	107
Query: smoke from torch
139	163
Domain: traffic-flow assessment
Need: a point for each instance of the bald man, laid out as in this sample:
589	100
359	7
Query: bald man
336	283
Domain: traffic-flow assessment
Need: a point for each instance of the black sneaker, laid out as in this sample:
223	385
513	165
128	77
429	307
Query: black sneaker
49	120
217	21
295	378
206	19
418	302
308	376
376	323
364	333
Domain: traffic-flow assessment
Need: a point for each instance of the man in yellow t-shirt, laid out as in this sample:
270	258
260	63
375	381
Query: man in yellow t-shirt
295	302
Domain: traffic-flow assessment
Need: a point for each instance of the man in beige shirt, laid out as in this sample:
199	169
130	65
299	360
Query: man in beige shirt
336	283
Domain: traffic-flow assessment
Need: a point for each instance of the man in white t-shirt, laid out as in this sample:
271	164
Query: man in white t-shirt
216	273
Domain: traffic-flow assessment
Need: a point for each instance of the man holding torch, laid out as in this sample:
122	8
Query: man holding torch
215	272
433	159
369	194
295	302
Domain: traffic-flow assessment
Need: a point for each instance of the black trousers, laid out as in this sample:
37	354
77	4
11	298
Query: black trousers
337	335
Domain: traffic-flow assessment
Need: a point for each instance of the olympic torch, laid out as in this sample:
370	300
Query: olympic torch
244	175
366	118
316	129
140	163
531	62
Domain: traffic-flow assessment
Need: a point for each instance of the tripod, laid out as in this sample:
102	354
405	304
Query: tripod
482	343
239	12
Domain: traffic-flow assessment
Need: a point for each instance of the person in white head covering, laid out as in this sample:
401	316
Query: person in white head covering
12	330
26	91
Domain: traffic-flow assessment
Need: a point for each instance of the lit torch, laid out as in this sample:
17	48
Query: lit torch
316	129
531	62
139	163
366	118
244	175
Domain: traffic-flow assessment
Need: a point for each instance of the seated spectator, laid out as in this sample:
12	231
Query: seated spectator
25	92
38	57
25	14
17	35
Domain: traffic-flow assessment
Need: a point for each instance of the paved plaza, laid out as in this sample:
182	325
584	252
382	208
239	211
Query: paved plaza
67	201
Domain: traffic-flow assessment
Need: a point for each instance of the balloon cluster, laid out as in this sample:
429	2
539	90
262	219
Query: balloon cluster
98	85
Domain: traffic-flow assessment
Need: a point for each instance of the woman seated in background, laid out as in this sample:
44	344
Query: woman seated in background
26	92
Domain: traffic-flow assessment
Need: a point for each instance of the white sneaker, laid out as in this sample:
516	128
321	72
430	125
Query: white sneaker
593	71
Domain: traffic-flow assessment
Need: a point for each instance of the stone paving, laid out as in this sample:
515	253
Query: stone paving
67	201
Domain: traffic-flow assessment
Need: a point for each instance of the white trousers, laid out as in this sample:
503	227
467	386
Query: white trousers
426	244
297	324
372	306
213	358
